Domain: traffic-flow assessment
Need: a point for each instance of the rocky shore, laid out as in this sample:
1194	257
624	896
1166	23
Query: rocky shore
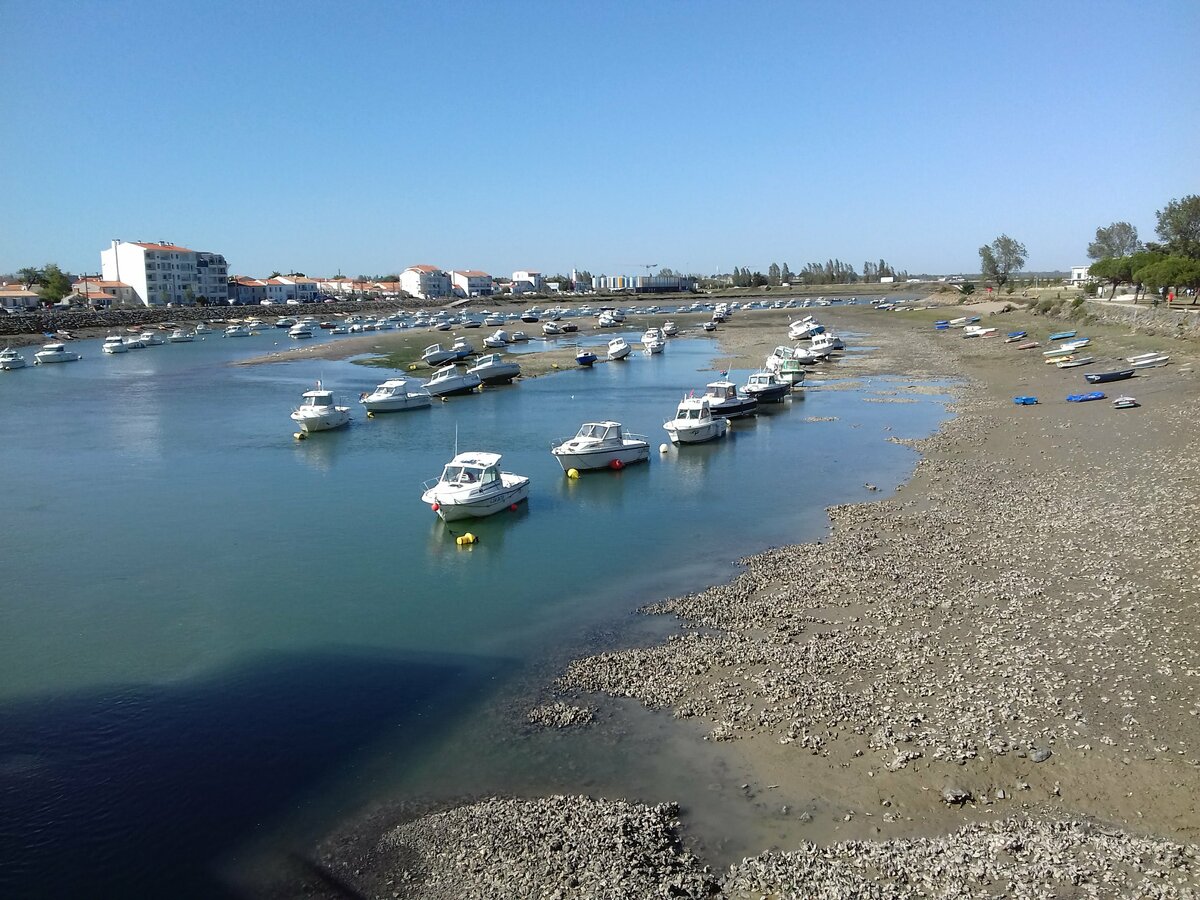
988	679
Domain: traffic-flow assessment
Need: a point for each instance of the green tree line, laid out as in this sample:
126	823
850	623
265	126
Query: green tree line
1170	263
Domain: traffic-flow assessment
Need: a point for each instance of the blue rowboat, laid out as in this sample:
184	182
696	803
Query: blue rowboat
585	358
1084	398
1105	377
1025	401
1062	335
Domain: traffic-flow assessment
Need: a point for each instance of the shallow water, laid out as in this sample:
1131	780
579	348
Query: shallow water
214	637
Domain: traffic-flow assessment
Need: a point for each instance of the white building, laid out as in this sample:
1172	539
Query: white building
472	283
98	292
17	297
426	282
528	282
1080	276
165	273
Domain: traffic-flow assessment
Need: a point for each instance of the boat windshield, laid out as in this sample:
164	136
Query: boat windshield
591	431
468	475
318	401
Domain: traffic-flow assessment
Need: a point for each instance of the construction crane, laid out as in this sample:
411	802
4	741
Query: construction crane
647	266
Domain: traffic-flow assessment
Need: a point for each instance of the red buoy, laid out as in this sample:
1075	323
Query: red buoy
513	507
617	465
435	507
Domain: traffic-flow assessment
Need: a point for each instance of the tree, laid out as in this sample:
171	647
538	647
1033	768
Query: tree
29	276
1001	258
1114	270
189	295
773	274
1179	226
1138	262
1171	272
275	274
1114	241
785	274
55	284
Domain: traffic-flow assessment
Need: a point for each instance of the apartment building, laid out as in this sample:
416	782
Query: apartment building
162	273
472	283
426	282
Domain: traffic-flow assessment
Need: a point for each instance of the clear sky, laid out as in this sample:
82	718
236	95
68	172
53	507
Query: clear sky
365	137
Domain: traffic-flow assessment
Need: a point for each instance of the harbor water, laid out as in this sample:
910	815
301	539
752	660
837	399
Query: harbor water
217	641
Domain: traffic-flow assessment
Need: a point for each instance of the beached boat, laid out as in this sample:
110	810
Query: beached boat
1028	345
585	358
495	369
653	341
434	355
1066	349
1025	401
709	326
694	422
497	339
723	400
319	412
1125	403
492	320
179	336
236	331
54	353
300	331
518	337
1013	336
767	387
114	343
531	316
1062	335
804	328
10	359
551	329
472	486
601	445
1148	360
396	394
462	348
670	329
793	370
448	381
618	348
1084	398
1105	377
1073	362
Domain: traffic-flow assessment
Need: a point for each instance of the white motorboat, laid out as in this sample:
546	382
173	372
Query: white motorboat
551	328
472	485
237	331
601	445
201	328
518	337
493	320
319	412
792	370
607	320
462	348
804	328
114	343
434	355
670	329
767	387
531	315
653	341
723	400
709	326
396	394
300	330
694	422
496	340
495	369
179	336
824	344
448	381
1074	362
340	328
10	359
151	339
618	348
443	326
54	353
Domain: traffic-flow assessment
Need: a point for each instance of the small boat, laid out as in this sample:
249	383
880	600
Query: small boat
10	359
607	320
709	326
585	358
472	323
1013	336
653	341
151	339
1025	401
448	381
694	422
443	326
1066	349
201	328
1073	362
978	331
340	329
319	412
1105	377
530	316
134	342
618	348
804	328
462	348
493	320
601	445
824	344
1062	336
179	336
326	325
54	353
1125	403
497	339
495	369
1028	345
1148	360
472	485
237	331
434	355
518	337
114	343
569	327
767	387
670	329
723	400
299	331
551	328
1084	398
960	322
396	394
792	371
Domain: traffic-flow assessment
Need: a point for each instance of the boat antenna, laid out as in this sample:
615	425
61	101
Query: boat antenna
456	438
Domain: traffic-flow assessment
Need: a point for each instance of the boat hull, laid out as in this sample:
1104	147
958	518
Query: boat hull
744	406
498	375
515	488
773	394
9	365
396	404
602	457
323	422
686	433
1106	377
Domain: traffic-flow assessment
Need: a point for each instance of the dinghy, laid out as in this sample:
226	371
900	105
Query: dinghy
1084	398
1125	403
1025	401
1062	335
1105	377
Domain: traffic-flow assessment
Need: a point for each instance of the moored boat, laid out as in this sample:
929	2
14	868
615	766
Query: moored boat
179	336
495	369
653	341
472	486
670	329
551	329
434	355
497	339
618	348
319	412
237	331
114	343
300	331
585	358
448	381
601	445
395	395
694	422
767	387
11	359
723	400
54	353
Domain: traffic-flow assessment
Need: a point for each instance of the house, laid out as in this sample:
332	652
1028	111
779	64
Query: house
246	291
1080	276
528	281
17	298
472	283
426	282
164	273
99	292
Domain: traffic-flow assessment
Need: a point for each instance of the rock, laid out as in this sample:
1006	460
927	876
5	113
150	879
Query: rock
955	796
1040	754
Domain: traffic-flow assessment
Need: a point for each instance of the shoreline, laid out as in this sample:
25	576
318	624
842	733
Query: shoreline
912	669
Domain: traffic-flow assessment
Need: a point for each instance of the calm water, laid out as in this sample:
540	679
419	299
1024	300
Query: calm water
215	639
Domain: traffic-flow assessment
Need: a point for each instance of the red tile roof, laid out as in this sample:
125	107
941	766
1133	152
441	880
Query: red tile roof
472	273
172	247
422	269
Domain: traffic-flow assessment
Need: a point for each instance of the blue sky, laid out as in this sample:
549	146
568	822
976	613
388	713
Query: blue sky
366	137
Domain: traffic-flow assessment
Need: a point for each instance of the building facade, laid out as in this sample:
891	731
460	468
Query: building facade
528	281
426	282
165	273
472	283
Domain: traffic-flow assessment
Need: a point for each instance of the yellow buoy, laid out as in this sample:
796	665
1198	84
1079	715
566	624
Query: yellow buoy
465	539
299	435
412	367
572	473
370	415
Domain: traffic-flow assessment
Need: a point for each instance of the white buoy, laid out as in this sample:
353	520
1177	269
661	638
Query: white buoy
664	448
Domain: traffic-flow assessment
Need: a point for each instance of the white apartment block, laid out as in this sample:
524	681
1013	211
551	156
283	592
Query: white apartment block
426	282
528	282
472	283
165	273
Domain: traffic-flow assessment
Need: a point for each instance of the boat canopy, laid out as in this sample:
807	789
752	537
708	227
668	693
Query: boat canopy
600	431
721	390
465	473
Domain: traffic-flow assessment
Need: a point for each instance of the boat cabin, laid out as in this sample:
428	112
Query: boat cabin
601	431
720	391
317	400
694	409
479	469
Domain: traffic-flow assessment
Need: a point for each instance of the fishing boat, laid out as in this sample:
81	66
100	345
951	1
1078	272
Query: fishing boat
299	331
448	381
434	355
319	412
518	337
1148	360
1105	377
1125	403
497	339
179	336
1084	398
114	343
694	422
1074	362
767	387
585	358
670	329
618	348
495	369
472	486
1013	336
569	327
236	331
462	348
723	400
531	316
1028	345
492	320
1062	335
653	341
10	359
600	445
54	353
551	329
201	328
151	339
792	370
709	326
395	395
